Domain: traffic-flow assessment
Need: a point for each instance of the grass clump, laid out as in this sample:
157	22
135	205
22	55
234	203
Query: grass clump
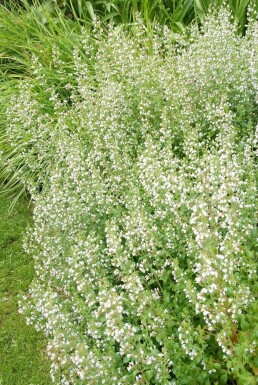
144	235
22	350
175	13
26	37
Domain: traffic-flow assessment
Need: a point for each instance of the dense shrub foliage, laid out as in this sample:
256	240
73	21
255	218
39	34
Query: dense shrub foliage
145	231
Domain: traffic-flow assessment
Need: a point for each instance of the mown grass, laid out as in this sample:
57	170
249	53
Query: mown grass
22	350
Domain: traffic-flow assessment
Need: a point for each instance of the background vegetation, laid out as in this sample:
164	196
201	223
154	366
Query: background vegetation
176	13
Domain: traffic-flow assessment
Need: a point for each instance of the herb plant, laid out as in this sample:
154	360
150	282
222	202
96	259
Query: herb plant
144	234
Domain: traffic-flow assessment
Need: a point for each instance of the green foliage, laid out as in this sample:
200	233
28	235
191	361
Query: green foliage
177	13
22	350
145	232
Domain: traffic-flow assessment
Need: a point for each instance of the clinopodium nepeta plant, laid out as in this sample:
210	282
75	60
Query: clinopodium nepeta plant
145	231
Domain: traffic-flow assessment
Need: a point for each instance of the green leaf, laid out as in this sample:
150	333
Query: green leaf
166	297
230	292
126	359
224	378
155	352
244	325
148	375
90	10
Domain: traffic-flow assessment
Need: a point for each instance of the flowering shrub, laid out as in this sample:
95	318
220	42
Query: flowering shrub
145	232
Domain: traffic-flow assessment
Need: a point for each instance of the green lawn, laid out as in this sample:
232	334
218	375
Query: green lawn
22	350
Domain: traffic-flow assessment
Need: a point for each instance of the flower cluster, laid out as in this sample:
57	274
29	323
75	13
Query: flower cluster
144	233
